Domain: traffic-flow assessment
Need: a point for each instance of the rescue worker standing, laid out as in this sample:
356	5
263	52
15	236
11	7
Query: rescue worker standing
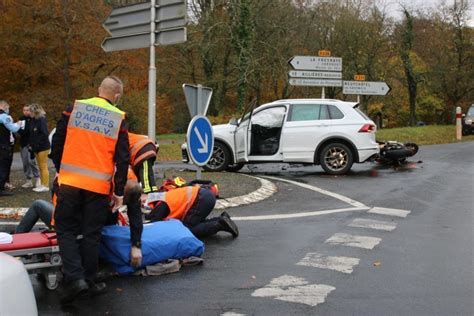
7	127
90	146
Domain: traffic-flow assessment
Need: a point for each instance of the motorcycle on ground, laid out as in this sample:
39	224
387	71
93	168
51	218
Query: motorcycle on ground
393	152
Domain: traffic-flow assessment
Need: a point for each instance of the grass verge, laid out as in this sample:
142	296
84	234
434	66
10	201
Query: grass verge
422	135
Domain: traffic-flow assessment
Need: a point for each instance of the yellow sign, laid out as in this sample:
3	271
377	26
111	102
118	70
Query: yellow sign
359	77
324	53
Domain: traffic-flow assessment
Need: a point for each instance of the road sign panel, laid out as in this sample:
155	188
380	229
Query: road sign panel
130	27
197	98
142	40
314	74
316	63
170	14
315	82
365	87
129	20
175	35
200	140
124	42
359	77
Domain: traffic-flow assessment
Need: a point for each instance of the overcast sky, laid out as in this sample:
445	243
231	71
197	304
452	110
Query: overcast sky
393	6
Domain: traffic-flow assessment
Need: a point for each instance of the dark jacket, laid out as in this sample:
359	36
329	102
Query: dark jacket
25	133
39	135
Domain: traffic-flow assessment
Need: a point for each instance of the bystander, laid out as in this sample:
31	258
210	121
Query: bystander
30	168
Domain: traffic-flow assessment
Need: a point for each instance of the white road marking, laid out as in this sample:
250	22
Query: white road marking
389	211
296	290
373	224
322	191
266	190
365	242
341	264
232	314
12	212
296	215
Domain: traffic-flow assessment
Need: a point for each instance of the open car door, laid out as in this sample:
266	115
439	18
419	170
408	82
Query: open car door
241	135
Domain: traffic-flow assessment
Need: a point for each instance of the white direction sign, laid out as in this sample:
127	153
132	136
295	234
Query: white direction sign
365	87
316	63
315	82
314	74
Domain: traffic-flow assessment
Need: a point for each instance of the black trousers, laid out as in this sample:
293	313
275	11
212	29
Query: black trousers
80	212
6	158
195	218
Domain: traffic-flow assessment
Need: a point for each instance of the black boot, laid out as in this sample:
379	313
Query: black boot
97	288
225	214
228	225
73	290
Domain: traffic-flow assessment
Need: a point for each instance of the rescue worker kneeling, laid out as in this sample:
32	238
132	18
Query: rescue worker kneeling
191	205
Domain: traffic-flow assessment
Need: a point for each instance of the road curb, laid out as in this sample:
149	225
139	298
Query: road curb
266	190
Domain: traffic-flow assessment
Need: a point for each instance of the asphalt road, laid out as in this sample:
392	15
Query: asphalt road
415	260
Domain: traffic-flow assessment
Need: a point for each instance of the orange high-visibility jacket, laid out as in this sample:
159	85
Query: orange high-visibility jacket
88	157
137	142
178	200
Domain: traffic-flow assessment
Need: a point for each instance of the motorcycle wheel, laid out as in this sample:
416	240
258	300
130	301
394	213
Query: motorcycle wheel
412	147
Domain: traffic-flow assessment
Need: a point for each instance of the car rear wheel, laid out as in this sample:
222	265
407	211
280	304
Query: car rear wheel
220	158
336	158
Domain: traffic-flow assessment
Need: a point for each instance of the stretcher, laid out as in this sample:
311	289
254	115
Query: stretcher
39	252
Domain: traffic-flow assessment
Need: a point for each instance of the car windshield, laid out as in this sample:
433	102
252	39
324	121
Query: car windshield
470	112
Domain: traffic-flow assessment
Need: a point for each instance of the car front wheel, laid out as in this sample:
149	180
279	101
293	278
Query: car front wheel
220	158
336	159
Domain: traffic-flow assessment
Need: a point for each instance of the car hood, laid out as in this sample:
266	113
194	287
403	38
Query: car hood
223	127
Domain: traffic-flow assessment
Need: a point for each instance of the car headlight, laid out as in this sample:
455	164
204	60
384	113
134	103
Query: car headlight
468	121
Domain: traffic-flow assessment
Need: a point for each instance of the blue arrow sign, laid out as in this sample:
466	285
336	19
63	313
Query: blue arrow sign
200	140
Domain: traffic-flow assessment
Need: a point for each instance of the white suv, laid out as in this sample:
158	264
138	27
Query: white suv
332	133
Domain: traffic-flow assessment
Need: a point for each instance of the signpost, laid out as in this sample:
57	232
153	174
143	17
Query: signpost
200	141
197	98
304	74
157	22
315	82
316	63
365	87
314	74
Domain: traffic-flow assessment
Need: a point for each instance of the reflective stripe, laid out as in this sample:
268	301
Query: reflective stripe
155	196
145	155
146	184
189	195
86	172
134	149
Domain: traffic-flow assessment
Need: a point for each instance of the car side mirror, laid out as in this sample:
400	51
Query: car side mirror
233	121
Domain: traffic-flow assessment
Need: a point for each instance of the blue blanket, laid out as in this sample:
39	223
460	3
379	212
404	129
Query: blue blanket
160	241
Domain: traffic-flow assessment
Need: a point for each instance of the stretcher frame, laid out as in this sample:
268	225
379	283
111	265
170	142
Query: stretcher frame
44	261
